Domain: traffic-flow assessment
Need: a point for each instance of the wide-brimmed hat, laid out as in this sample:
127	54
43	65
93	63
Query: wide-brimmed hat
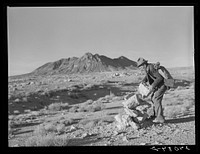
141	61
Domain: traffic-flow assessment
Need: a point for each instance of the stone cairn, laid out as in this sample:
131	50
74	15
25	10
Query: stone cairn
136	110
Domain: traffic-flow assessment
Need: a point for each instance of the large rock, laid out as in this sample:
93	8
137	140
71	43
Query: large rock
143	89
122	121
131	102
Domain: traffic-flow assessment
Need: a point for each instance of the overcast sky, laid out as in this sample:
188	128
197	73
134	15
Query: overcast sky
40	35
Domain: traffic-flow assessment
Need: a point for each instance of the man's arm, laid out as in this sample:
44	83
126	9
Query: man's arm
158	77
144	80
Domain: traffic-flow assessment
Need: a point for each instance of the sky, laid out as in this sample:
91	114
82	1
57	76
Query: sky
38	35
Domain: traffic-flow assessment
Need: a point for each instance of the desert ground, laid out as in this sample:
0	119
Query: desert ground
79	110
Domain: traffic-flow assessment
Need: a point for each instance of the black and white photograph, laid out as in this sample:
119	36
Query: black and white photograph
101	76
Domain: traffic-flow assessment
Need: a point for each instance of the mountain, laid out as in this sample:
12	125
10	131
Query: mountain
85	64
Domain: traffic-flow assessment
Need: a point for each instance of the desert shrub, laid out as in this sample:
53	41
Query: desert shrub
98	106
82	109
43	112
58	106
48	140
89	102
89	123
60	128
102	100
50	127
40	130
95	106
73	94
67	122
117	98
110	96
90	109
73	109
49	93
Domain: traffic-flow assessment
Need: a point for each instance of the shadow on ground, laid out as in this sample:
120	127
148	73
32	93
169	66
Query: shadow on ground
180	120
23	132
181	83
115	107
149	123
26	124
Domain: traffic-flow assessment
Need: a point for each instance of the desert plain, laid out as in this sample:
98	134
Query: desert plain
79	110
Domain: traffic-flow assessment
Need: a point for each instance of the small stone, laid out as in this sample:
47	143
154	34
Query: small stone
72	128
142	143
16	145
115	133
84	135
125	139
17	100
16	112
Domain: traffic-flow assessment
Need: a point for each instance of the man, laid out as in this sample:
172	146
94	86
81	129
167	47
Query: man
157	87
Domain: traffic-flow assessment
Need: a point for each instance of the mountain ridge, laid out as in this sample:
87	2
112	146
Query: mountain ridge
85	64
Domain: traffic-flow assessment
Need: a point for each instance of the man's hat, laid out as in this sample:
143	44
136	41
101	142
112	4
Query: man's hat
141	61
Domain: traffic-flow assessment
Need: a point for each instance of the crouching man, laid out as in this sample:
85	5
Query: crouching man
157	88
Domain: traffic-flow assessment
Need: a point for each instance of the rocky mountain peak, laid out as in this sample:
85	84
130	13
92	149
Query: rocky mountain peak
85	64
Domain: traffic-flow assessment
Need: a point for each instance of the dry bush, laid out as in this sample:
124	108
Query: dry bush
89	123
88	102
117	98
98	106
95	106
40	130
43	112
48	140
67	122
82	109
103	100
51	127
49	93
73	109
58	106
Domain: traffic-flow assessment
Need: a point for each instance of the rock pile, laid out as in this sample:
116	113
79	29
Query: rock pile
136	111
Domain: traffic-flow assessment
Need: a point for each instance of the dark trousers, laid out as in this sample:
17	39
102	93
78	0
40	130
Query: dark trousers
156	98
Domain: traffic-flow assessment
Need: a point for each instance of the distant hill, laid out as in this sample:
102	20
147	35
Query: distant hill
85	64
